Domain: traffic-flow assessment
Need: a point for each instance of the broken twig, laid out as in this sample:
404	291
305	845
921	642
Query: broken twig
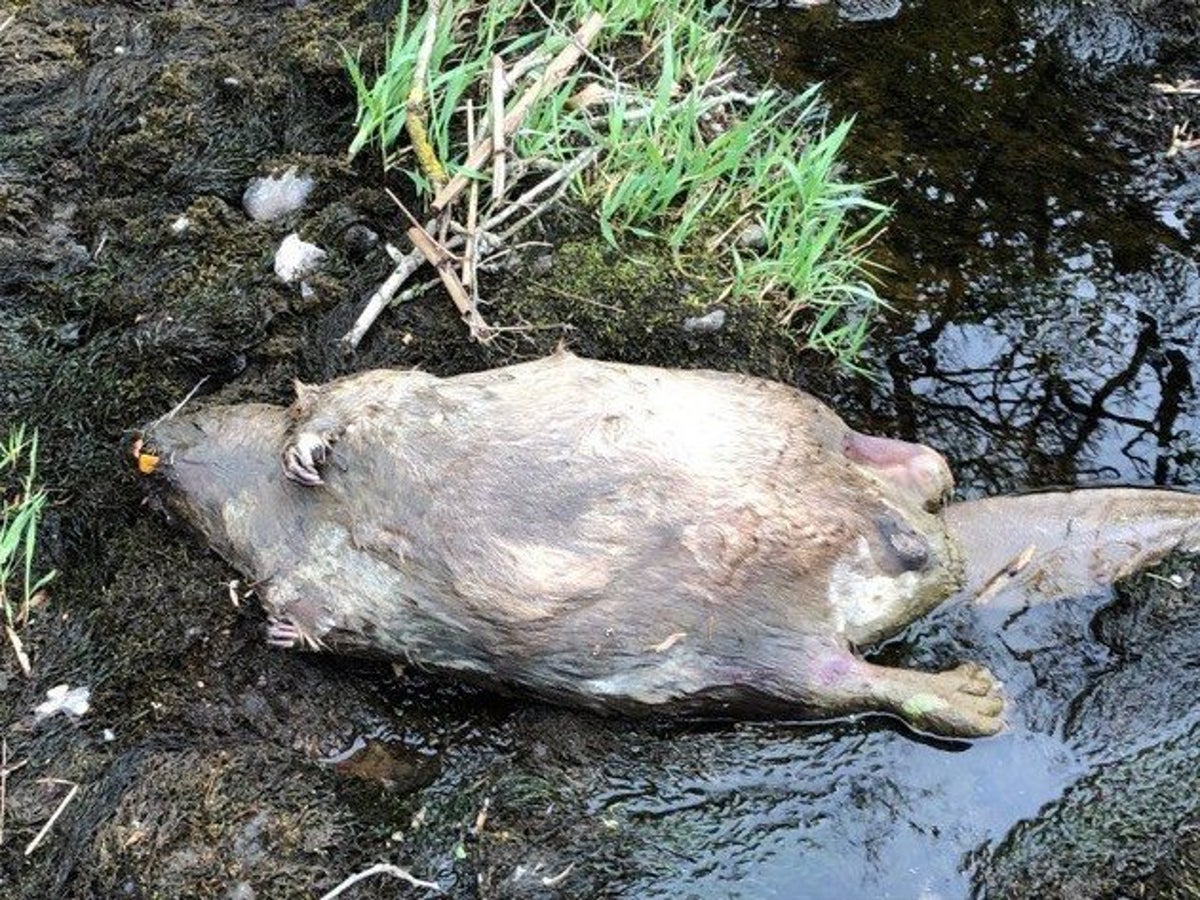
381	869
486	243
469	273
3	784
379	300
45	829
19	650
555	72
557	179
1186	86
499	149
556	880
443	261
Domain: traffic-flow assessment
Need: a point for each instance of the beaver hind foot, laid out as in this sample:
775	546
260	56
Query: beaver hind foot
963	702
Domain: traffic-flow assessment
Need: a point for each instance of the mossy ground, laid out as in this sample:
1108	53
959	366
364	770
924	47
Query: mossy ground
200	764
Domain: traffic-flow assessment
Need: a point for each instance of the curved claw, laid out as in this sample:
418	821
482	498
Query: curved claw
284	634
287	635
302	457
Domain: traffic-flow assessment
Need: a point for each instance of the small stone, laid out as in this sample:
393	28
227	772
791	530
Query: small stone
706	324
296	258
360	240
180	225
273	197
868	10
69	335
752	236
61	698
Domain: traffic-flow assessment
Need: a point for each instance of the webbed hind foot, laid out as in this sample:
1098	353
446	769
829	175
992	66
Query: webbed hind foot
963	702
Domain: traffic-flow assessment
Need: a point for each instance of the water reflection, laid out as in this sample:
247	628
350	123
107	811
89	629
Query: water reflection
1078	378
1046	285
1048	314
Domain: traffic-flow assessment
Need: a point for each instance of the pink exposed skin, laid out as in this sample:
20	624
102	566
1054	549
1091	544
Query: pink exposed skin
914	466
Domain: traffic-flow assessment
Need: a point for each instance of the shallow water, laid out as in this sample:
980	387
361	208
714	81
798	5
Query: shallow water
1044	246
1048	307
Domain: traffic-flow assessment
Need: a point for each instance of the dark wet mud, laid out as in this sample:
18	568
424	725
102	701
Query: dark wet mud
1047	290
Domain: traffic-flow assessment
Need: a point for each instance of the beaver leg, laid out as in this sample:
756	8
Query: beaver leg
964	702
323	415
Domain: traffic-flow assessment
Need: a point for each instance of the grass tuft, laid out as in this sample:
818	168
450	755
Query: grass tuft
21	507
684	158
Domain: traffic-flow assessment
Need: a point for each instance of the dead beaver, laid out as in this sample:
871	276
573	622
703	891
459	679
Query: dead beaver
619	537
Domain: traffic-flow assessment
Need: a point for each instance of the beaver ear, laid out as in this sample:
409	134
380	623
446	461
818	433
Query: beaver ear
306	397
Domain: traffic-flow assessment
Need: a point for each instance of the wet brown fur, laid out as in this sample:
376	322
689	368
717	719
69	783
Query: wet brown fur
611	536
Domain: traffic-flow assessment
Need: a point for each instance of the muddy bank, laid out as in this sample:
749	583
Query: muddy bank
210	766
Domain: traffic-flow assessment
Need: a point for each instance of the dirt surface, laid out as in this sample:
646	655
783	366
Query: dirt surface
208	765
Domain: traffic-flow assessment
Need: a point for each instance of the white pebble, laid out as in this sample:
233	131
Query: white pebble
60	698
296	258
276	195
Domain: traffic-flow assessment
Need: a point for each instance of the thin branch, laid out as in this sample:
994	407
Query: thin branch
381	869
591	94
704	105
555	881
1186	86
379	300
487	242
499	149
524	66
555	72
443	261
557	179
3	784
472	235
40	836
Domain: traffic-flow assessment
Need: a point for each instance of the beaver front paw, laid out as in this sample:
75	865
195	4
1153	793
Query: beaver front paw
288	635
303	456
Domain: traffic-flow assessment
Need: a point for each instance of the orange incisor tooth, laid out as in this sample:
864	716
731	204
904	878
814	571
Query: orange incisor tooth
147	463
